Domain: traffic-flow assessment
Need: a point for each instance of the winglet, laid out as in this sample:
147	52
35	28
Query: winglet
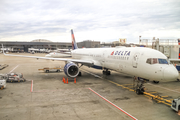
74	45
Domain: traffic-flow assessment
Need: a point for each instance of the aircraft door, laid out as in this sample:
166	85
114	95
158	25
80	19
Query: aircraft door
135	60
103	60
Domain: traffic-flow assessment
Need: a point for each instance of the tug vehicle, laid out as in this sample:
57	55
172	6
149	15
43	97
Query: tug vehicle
55	69
15	77
176	105
2	81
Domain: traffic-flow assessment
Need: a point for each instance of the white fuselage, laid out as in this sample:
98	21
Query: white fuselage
129	60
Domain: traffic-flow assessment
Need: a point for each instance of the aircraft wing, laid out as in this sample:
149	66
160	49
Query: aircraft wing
59	59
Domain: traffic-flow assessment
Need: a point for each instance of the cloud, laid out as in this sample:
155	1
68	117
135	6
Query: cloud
91	19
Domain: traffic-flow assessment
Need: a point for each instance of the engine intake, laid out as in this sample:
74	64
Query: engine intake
71	69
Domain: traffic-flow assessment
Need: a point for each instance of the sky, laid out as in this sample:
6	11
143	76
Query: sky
98	20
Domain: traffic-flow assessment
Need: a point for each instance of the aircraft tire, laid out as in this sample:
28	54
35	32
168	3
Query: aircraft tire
156	82
138	92
79	74
108	72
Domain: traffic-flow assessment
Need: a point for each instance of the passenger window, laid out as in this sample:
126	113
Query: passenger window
148	61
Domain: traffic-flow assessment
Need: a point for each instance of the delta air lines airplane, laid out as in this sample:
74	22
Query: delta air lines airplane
144	63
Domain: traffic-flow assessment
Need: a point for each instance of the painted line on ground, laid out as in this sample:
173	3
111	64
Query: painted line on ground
13	69
164	88
114	105
31	85
134	90
45	90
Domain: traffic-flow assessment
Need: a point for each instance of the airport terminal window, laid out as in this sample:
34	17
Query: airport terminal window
162	61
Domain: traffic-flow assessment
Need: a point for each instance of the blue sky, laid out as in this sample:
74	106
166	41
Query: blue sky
99	20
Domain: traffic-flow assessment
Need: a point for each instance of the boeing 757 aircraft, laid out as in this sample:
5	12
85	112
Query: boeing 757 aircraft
144	63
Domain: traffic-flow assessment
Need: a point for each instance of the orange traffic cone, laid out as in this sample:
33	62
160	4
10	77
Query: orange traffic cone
67	81
178	112
74	80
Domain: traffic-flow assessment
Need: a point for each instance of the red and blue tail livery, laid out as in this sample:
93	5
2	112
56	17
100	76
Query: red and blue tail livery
74	45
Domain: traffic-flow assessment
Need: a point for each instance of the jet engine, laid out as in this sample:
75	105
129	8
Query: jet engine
71	69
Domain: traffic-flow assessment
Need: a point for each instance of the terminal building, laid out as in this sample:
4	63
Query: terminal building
43	45
169	47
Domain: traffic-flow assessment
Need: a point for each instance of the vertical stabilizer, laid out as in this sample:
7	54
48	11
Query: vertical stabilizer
74	45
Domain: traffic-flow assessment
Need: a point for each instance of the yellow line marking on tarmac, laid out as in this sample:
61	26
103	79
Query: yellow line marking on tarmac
149	95
127	84
152	92
158	98
164	96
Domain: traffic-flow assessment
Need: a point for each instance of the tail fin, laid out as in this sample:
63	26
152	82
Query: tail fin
74	45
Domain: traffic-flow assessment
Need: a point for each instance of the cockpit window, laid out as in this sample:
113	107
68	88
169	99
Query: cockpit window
162	61
148	61
156	61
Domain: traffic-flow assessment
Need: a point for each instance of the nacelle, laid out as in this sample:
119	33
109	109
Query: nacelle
71	69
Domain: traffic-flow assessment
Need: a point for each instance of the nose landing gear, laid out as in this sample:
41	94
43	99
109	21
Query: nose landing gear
138	85
106	72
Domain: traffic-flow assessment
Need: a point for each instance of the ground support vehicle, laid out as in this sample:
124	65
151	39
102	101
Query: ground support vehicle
55	69
15	77
176	105
3	66
2	81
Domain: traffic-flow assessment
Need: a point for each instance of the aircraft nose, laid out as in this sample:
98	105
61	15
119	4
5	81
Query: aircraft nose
171	73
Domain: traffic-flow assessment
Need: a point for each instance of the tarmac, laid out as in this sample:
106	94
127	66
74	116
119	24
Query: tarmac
94	96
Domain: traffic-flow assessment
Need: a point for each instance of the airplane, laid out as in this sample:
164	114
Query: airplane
142	63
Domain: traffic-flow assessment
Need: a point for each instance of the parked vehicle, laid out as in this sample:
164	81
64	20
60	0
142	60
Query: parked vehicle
2	81
55	69
3	66
15	77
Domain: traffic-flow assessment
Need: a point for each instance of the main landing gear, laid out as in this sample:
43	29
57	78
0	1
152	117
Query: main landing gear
79	74
138	85
106	72
156	82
